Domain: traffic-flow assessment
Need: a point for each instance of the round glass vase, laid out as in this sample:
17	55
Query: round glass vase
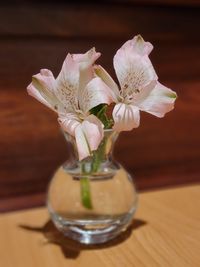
93	200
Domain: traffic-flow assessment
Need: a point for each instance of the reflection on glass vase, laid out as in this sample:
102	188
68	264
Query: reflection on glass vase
94	200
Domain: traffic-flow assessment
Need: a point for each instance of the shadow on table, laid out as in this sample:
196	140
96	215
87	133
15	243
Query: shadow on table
72	249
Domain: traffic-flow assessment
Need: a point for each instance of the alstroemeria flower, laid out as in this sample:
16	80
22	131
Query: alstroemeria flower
72	94
139	86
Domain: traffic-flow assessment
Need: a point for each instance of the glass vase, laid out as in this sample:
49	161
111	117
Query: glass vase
93	200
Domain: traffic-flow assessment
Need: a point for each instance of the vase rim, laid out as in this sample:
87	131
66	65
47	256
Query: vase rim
104	130
108	130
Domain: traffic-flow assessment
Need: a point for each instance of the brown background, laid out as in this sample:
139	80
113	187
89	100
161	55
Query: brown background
34	36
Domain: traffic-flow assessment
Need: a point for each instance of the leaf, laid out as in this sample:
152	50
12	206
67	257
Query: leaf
100	112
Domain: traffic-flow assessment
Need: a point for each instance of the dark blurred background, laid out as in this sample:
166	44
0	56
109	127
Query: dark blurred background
36	34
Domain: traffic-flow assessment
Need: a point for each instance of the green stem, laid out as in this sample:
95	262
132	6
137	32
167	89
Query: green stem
85	192
85	181
95	163
98	157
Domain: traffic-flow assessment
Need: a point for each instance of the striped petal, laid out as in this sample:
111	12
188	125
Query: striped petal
126	117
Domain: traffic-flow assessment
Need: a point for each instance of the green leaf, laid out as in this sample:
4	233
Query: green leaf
100	112
96	109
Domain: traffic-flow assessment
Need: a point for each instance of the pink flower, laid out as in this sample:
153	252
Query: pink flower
139	86
72	94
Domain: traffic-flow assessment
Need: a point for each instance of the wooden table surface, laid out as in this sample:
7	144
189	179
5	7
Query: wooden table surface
165	232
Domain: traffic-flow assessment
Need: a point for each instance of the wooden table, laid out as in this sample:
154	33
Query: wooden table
165	232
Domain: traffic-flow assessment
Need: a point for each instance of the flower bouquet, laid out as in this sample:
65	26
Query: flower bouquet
91	197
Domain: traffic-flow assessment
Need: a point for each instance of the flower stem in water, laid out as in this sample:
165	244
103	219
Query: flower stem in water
85	192
85	187
97	158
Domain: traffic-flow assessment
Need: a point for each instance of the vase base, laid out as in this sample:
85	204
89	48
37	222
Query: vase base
90	231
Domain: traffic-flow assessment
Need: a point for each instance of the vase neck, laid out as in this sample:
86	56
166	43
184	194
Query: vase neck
104	151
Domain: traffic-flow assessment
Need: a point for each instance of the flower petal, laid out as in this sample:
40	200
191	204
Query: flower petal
107	79
88	136
76	72
138	45
96	92
67	84
69	122
42	88
133	71
86	62
32	91
144	92
126	117
93	129
88	58
81	142
160	101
